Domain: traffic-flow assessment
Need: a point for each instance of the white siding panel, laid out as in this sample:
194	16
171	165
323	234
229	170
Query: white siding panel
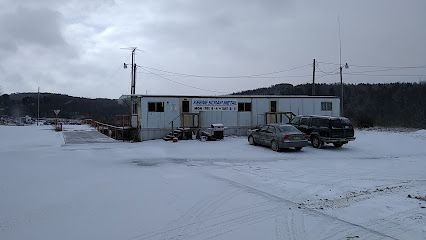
244	119
160	119
284	105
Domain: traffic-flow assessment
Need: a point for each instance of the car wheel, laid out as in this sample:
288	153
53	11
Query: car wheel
298	148
274	146
338	145
251	140
316	142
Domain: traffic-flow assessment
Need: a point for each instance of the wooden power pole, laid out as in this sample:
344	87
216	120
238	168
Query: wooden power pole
341	92
38	105
133	83
313	79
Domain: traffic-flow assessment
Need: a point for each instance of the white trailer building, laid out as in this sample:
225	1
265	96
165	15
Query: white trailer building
156	115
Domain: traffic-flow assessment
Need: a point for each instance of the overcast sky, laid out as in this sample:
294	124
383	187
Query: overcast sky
73	46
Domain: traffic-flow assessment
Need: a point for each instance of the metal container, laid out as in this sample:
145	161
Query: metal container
217	129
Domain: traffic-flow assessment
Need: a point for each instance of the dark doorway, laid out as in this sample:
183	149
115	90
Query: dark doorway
185	106
273	106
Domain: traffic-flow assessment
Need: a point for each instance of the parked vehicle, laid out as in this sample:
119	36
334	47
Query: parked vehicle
324	129
278	137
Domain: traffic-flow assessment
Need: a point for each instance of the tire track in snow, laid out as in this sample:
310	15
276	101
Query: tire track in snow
307	210
227	225
392	223
218	224
226	221
297	225
281	224
205	210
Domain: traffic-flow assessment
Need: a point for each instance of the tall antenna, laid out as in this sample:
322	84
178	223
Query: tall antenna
341	69
340	43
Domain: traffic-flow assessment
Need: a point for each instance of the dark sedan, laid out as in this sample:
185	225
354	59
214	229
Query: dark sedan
278	137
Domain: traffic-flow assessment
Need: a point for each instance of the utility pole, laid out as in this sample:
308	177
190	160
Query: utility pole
341	91
133	81
134	117
313	79
38	105
133	69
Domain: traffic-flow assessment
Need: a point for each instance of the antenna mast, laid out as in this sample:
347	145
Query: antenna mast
341	70
340	43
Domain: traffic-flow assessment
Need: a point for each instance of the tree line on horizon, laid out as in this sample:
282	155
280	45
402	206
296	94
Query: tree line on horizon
22	104
367	105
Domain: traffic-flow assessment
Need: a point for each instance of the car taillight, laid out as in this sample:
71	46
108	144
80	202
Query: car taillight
285	137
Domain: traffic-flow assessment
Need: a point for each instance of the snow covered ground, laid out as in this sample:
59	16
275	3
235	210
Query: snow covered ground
104	189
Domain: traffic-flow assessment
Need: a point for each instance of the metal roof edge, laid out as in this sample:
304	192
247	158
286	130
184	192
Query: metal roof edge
230	96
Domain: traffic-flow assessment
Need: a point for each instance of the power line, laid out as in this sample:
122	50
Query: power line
377	66
327	73
181	83
387	75
259	75
390	67
378	70
329	63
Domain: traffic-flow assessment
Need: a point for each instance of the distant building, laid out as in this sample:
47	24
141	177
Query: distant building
156	115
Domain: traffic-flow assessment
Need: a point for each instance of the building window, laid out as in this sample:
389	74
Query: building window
244	107
326	106
273	106
156	107
151	107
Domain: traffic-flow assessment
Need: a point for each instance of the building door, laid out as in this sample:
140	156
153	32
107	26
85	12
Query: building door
272	118
187	119
273	106
185	106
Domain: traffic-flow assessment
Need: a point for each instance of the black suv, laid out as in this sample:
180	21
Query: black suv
324	129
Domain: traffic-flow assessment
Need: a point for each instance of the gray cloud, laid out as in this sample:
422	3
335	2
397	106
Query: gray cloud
38	26
74	46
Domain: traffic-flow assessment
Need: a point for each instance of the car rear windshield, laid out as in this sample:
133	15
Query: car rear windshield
341	123
288	129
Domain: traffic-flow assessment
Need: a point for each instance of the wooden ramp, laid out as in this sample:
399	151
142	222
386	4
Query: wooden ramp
82	137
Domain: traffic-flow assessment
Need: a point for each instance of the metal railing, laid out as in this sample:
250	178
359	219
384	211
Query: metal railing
116	132
195	120
277	117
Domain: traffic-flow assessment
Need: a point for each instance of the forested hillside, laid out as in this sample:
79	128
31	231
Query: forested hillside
390	105
393	104
21	104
